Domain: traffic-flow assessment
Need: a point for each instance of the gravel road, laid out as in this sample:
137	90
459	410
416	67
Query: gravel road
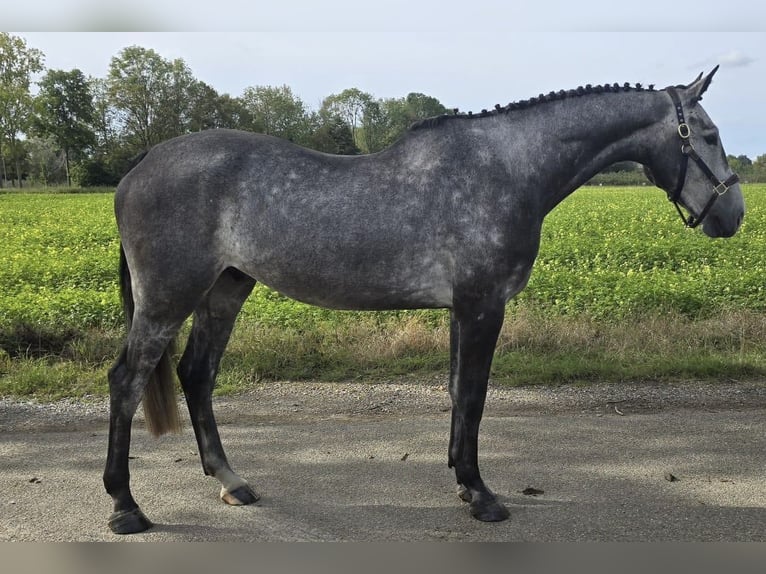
363	461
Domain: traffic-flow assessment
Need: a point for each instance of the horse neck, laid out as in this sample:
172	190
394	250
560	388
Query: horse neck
575	139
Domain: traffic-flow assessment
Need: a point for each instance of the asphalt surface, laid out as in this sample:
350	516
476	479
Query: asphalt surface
368	463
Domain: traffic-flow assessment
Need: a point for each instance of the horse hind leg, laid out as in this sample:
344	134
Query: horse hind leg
213	322
128	378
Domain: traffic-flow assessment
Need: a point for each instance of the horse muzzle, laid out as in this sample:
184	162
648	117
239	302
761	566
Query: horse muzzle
725	219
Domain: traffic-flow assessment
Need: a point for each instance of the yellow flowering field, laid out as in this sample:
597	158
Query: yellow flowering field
608	253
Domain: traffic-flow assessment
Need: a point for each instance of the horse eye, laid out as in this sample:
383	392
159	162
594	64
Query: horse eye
711	139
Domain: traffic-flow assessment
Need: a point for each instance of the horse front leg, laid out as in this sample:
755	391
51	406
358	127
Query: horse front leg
474	329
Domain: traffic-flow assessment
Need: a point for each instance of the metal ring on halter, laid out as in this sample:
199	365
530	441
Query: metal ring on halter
684	131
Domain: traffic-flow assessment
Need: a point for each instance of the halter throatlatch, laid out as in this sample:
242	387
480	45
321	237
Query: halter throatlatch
688	151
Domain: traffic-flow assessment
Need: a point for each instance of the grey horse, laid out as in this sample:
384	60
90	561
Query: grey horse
447	217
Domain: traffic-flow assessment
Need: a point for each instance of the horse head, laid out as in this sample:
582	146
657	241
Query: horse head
705	186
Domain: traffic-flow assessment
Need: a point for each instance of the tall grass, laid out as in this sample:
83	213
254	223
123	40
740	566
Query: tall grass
534	348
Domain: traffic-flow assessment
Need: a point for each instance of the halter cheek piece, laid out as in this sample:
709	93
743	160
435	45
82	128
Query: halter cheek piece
688	151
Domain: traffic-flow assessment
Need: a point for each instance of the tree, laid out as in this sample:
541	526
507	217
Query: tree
232	113
46	161
17	64
376	124
209	110
16	156
178	96
744	160
65	112
350	105
403	112
106	118
205	108
152	95
331	134
277	111
759	168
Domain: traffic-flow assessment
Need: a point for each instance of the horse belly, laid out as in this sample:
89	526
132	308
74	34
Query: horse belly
356	298
340	284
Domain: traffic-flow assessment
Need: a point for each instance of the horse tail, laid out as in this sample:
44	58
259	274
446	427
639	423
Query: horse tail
160	406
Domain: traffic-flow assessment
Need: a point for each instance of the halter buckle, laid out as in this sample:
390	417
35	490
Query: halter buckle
684	131
721	188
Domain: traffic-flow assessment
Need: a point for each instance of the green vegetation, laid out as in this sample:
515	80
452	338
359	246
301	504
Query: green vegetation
620	291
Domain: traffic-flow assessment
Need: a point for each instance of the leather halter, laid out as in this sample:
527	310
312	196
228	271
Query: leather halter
688	151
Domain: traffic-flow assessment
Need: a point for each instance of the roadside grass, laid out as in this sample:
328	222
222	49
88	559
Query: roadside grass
534	348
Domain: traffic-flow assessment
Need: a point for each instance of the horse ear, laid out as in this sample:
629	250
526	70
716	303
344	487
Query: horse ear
700	86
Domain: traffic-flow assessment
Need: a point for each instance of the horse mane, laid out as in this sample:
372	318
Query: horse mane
532	102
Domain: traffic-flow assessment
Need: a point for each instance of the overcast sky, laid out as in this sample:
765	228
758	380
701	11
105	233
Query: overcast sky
468	54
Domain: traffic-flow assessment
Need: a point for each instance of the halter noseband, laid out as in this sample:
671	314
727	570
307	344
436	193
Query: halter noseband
688	151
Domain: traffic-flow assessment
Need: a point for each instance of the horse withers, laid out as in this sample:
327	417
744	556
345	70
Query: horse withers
447	217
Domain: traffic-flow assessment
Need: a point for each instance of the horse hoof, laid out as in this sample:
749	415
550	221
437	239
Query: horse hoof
489	511
129	522
240	496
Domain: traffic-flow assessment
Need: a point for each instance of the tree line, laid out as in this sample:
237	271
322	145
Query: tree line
79	130
629	173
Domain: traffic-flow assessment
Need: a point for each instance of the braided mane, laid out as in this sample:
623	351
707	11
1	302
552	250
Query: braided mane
524	104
